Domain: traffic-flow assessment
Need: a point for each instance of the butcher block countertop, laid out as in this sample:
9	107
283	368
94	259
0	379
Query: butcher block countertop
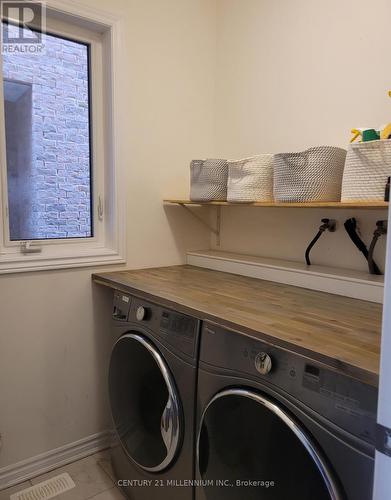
341	332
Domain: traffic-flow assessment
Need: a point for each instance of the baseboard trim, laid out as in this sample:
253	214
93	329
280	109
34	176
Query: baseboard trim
45	462
349	283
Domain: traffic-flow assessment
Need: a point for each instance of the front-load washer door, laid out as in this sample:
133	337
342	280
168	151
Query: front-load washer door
144	402
249	448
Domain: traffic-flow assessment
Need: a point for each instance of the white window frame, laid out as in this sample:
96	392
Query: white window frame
107	246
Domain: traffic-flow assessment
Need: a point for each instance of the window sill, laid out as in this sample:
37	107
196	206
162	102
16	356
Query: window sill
17	263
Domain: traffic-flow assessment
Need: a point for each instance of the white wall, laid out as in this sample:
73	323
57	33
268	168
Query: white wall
54	330
291	75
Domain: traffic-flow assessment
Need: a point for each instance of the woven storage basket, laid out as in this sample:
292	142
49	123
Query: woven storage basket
250	179
368	164
208	180
312	175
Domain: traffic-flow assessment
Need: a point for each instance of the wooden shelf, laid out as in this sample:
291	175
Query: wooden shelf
369	205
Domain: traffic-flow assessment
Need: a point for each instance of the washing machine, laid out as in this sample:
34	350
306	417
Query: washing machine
152	388
273	424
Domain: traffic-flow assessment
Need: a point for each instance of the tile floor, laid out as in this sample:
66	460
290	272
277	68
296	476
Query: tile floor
92	475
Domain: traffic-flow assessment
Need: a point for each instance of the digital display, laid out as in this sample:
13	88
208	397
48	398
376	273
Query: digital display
177	324
312	370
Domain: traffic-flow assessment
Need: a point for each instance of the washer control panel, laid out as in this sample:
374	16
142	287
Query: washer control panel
345	401
142	313
177	324
178	330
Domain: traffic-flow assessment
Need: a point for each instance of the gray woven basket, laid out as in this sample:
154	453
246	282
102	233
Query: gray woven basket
311	175
250	179
368	164
208	180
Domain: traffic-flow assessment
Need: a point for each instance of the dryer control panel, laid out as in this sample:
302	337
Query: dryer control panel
346	402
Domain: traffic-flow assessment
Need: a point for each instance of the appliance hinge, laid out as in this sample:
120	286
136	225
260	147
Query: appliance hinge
28	247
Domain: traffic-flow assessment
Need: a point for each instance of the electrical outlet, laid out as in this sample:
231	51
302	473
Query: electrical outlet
382	226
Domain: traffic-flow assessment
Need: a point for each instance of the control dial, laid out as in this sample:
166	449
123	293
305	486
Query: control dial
141	313
263	363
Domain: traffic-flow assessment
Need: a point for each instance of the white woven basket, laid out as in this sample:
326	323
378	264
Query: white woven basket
368	164
311	175
250	179
208	180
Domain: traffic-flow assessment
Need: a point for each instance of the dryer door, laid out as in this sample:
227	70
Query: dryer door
144	403
250	448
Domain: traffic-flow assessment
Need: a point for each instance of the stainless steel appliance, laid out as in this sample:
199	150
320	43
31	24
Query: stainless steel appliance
273	424
152	384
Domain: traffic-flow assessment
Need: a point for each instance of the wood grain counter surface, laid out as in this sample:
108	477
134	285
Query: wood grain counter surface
341	332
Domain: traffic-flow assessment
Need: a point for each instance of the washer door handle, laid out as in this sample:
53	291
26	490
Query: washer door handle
168	427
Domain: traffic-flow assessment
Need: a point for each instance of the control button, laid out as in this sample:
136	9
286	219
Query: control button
141	313
263	363
292	373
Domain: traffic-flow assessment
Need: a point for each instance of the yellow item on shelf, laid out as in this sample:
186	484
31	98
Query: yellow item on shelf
356	133
369	134
386	132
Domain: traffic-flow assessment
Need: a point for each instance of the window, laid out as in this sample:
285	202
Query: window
47	126
60	186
